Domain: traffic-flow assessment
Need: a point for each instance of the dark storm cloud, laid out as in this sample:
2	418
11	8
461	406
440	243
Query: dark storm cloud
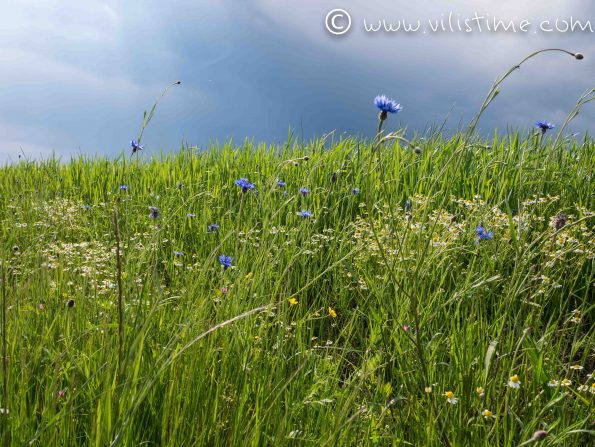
75	78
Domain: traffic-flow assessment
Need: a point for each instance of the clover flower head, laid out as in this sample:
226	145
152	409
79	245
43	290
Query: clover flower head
560	221
514	382
387	105
305	214
544	126
225	261
245	184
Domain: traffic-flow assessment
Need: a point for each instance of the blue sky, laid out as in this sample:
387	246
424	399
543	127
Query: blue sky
75	76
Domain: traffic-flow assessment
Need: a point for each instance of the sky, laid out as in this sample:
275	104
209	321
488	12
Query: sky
76	76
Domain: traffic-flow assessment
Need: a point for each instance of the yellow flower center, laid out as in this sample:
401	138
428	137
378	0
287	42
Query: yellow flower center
514	379
487	413
449	394
566	382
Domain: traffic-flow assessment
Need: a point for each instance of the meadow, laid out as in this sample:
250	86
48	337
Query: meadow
342	291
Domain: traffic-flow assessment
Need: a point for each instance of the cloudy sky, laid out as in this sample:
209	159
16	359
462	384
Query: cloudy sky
75	76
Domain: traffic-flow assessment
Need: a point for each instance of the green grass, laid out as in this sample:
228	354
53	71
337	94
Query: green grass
418	303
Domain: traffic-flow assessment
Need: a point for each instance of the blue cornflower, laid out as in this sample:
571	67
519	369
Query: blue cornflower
304	191
153	212
305	214
123	187
482	234
191	215
544	126
135	146
225	261
281	183
212	228
334	177
87	207
355	191
408	206
245	184
178	253
387	105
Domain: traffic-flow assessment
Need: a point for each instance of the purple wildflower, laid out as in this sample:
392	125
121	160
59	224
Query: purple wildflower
225	261
386	106
245	184
482	234
544	126
135	146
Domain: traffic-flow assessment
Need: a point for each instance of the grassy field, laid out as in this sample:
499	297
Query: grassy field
349	327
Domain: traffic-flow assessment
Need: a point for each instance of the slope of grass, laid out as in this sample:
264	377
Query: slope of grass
346	328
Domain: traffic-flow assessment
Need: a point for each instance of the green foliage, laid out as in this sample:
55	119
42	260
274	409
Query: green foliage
221	357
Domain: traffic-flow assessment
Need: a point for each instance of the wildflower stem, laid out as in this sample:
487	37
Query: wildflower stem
147	117
493	92
240	213
120	294
379	131
5	430
585	98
